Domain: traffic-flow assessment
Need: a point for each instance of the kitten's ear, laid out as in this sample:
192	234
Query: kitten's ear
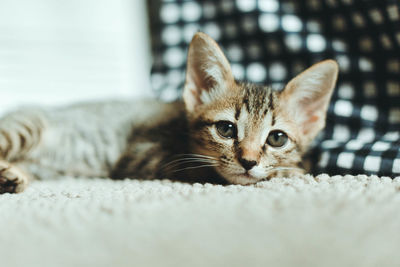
208	72
306	97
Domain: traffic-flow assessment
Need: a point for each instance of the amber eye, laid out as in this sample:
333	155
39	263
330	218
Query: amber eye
277	138
226	129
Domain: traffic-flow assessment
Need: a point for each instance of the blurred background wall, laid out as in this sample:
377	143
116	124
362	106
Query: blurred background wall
54	52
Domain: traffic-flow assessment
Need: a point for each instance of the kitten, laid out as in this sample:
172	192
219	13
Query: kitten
223	131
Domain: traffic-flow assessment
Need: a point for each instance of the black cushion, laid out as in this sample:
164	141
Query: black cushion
270	41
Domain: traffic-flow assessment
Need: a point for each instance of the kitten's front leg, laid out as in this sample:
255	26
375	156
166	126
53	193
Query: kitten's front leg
12	179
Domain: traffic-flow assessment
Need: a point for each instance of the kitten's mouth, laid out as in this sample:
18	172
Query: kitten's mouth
248	175
243	177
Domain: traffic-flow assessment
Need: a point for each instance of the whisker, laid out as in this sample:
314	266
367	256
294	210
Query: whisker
171	167
187	160
195	167
197	155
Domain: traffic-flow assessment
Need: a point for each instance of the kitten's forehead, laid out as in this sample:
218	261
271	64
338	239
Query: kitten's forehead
245	103
252	111
257	100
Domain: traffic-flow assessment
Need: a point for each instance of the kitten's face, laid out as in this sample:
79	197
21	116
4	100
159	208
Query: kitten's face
251	132
246	134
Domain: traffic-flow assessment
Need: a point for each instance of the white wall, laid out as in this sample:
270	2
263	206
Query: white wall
54	52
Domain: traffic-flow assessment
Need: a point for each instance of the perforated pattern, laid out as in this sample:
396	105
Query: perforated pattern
270	41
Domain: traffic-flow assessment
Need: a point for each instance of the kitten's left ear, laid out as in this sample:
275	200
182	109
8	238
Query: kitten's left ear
306	97
208	72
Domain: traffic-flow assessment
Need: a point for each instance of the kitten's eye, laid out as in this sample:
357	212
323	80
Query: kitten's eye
277	138
226	129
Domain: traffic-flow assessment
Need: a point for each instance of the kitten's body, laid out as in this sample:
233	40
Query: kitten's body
223	131
84	139
116	139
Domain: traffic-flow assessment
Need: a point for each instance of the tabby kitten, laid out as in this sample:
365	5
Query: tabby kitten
224	131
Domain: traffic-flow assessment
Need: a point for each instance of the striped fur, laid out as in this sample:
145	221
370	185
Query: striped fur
147	139
251	108
212	95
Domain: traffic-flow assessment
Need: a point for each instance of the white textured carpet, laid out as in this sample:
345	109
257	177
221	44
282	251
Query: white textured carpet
327	221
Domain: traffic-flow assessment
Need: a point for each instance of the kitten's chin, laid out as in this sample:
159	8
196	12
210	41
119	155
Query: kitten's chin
241	178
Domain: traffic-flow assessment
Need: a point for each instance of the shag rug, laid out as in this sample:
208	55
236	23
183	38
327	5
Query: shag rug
309	221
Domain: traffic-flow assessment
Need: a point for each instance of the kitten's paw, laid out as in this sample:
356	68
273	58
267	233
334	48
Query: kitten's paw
12	179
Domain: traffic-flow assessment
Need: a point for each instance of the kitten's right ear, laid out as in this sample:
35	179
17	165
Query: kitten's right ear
208	72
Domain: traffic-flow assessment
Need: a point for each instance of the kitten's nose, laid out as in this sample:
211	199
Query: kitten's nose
247	164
